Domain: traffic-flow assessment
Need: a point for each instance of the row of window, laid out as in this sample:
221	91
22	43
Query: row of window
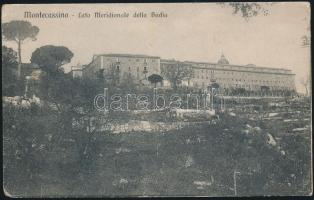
254	70
145	60
200	74
242	86
244	80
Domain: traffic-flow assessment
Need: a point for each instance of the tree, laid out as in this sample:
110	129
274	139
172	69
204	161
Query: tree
71	101
127	84
19	31
253	9
154	79
11	85
215	85
214	88
249	9
50	58
67	116
9	64
178	72
112	75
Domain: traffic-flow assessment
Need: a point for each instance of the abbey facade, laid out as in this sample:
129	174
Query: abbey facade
223	74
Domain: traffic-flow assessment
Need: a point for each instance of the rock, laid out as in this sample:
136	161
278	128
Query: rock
189	161
201	184
272	114
123	181
122	150
232	114
271	140
248	126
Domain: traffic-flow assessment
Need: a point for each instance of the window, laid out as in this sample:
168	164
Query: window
137	73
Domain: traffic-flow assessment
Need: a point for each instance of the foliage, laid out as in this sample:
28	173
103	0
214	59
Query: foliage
154	79
151	163
178	72
9	58
248	9
19	31
55	85
214	86
26	145
253	9
126	85
11	85
50	58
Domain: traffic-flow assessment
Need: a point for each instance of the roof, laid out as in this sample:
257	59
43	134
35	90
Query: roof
249	66
128	55
171	61
224	62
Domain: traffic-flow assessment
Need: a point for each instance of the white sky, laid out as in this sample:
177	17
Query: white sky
196	32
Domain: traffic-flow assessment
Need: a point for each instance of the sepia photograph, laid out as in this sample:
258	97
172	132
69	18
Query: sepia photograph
157	99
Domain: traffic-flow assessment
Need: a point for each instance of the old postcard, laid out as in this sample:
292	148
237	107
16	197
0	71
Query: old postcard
176	99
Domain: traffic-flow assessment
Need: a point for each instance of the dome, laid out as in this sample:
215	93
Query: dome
223	60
